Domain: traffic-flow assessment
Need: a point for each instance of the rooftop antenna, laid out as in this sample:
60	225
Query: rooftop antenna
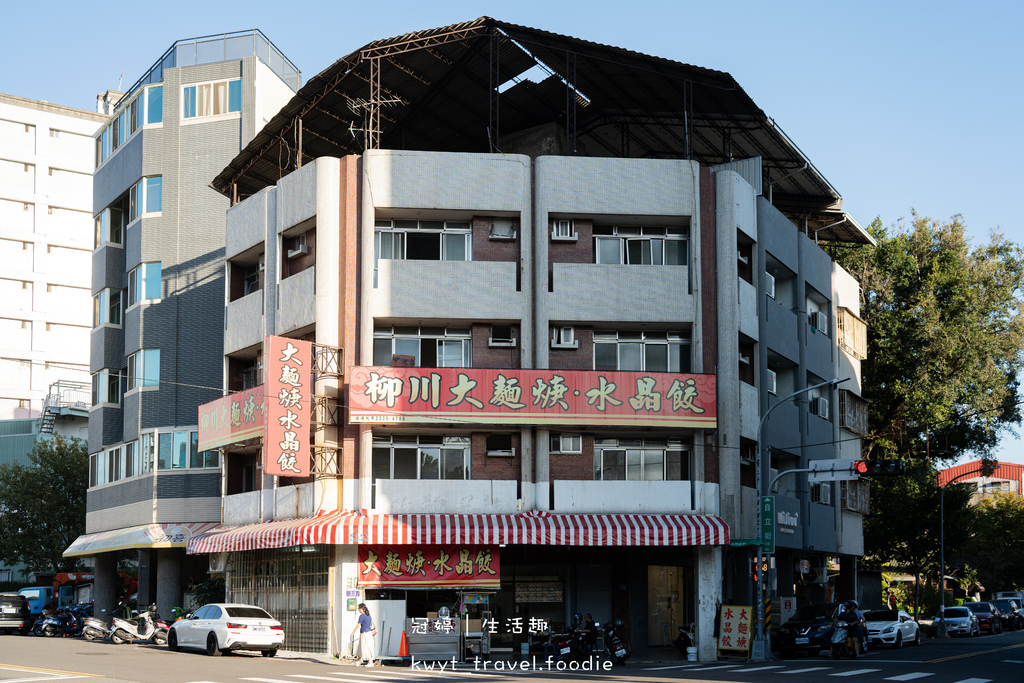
119	79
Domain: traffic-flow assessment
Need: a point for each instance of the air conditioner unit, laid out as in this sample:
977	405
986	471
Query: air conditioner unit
817	574
819	407
769	284
821	493
505	230
299	250
218	563
772	384
819	320
507	453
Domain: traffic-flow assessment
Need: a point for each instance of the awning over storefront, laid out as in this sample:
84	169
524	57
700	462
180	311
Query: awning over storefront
530	528
142	536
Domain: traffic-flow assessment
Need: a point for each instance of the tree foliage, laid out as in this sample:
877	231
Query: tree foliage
42	505
997	547
945	338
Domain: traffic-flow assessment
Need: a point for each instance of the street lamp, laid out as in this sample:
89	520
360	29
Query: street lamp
761	646
942	545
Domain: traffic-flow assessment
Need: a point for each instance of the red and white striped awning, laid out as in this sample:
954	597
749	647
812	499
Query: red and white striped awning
348	527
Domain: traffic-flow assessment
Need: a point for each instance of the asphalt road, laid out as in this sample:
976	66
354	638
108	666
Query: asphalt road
975	660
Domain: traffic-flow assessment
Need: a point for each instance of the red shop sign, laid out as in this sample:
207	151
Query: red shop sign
470	566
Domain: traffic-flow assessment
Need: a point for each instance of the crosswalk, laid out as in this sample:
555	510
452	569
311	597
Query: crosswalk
758	673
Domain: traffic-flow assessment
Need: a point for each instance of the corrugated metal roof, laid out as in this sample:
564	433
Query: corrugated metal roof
455	88
1004	470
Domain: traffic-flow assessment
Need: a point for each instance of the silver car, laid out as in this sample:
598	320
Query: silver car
960	621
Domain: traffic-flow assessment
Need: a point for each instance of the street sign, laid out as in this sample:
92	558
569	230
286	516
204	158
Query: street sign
833	470
768	524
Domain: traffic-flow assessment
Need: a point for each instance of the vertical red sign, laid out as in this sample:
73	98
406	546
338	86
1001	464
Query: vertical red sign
286	446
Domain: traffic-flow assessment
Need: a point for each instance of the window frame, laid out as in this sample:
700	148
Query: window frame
142	279
643	446
203	96
104	305
655	238
645	339
402	333
143	376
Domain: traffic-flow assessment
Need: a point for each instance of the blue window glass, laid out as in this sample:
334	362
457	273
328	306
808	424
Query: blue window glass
105	144
155	105
235	95
152	281
189	102
154	194
151	369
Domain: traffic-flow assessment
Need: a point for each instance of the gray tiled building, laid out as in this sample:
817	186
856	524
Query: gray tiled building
158	289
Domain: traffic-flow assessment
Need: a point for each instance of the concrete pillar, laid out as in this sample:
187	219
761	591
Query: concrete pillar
147	576
168	580
709	599
105	584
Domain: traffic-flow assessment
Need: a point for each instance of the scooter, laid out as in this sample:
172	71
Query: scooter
145	629
98	629
839	648
66	622
684	639
614	643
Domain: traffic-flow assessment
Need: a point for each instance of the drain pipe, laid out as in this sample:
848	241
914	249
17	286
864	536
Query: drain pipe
830	225
771	185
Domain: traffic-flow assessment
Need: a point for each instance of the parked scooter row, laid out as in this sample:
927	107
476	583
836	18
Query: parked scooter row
573	645
73	621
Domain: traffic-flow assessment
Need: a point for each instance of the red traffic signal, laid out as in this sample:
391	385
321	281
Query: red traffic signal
877	468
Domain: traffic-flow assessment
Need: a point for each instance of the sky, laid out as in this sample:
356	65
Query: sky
890	100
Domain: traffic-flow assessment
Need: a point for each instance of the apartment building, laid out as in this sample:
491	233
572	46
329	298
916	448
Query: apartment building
45	228
157	289
522	302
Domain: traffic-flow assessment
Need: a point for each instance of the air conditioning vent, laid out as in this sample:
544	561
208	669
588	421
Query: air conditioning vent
819	407
821	493
218	563
769	284
819	320
772	385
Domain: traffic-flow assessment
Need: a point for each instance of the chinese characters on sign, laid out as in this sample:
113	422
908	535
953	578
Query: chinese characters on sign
286	447
429	566
232	419
533	625
768	524
425	395
735	628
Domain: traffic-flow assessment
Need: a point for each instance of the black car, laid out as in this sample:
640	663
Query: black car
14	614
1010	611
809	630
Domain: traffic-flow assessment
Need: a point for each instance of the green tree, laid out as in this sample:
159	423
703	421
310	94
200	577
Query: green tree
945	338
997	547
42	505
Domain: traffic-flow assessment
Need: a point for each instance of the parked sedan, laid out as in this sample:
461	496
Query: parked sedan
988	616
960	621
809	630
227	627
891	627
1010	613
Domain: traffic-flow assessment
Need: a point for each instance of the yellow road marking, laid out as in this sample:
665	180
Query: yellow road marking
973	654
14	667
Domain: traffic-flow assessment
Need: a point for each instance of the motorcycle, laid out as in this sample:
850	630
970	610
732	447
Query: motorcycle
98	629
840	646
684	639
66	622
145	629
614	643
569	646
38	627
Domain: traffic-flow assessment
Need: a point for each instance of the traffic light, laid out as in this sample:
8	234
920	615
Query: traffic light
879	468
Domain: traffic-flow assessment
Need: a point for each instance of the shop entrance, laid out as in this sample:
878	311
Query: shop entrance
670	594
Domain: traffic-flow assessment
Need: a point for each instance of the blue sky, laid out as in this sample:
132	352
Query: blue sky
900	104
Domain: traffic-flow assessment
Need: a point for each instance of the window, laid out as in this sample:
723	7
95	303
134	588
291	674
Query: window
566	443
174	451
144	369
423	457
642	351
501	335
563	230
421	241
422	347
106	308
564	338
145	196
106	387
144	283
499	445
114	464
634	245
640	460
109	227
211	99
155	104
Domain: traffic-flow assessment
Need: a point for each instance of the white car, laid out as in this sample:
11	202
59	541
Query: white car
959	621
891	627
227	626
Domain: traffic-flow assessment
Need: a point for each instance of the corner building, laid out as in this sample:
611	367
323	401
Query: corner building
537	374
157	287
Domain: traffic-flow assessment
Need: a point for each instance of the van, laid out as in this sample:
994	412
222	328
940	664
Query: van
1010	595
14	613
39	598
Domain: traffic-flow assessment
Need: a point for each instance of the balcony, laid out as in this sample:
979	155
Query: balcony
415	496
286	502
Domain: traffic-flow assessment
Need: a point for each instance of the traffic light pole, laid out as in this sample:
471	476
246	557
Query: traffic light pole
942	547
761	648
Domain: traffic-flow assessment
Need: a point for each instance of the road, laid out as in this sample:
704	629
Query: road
975	660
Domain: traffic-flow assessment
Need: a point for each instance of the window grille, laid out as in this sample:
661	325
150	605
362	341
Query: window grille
853	334
291	584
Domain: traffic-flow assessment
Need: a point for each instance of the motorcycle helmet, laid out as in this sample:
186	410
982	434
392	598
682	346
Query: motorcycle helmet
619	623
577	617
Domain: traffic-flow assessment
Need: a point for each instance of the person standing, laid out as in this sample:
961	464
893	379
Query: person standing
366	633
